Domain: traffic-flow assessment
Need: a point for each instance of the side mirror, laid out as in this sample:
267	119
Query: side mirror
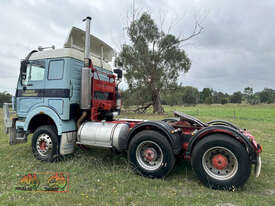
118	72
23	70
23	67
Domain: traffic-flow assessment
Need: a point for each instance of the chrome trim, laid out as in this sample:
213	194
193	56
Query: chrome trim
48	144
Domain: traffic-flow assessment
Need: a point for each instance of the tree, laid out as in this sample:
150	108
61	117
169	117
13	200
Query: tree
236	97
224	101
206	96
267	96
190	96
248	93
219	98
152	60
250	97
4	97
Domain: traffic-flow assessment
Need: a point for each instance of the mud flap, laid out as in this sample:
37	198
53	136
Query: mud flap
67	143
16	137
258	166
6	117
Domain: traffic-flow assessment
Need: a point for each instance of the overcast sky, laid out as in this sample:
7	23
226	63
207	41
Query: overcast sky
235	50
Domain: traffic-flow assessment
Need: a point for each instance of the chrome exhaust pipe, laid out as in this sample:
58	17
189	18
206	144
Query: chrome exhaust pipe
85	98
87	42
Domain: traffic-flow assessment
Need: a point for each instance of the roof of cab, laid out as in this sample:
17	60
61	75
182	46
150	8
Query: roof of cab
68	52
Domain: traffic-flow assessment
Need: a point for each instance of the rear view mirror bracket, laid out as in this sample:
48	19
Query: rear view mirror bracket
118	72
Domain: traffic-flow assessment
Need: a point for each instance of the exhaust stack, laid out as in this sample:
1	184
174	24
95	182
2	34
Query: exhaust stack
85	100
87	42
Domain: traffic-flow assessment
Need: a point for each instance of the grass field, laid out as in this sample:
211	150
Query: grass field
98	177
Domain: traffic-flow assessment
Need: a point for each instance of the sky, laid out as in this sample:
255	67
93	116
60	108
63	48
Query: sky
235	50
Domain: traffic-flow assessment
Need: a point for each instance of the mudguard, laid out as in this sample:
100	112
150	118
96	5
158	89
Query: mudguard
61	125
230	131
163	127
47	111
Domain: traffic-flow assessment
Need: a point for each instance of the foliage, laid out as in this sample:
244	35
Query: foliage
206	96
236	97
190	95
187	95
267	96
4	97
180	96
249	96
152	60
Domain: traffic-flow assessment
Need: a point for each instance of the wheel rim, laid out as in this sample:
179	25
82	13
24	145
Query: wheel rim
220	163
44	144
149	155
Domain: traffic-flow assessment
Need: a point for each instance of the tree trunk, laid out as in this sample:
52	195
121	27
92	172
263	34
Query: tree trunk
157	108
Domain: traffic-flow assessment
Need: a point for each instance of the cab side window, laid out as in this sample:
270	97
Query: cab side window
56	69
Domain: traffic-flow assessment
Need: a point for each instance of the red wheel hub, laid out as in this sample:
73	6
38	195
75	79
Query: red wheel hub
149	154
219	161
42	145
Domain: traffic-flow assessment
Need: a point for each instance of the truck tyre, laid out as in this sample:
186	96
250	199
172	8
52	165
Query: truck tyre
150	154
45	143
221	162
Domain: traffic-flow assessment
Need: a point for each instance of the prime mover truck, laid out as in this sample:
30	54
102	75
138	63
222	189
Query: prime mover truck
69	96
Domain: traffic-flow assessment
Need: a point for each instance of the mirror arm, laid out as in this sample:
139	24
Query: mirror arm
26	60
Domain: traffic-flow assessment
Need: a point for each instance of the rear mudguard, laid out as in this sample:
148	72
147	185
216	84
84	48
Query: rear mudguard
174	139
230	131
222	122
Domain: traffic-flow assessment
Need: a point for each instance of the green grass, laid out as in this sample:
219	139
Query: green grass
98	177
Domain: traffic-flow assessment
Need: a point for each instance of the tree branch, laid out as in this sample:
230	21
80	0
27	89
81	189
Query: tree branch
196	31
140	109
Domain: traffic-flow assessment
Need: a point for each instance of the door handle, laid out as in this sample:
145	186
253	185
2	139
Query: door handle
71	89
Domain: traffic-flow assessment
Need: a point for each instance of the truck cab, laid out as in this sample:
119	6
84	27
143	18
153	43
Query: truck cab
49	88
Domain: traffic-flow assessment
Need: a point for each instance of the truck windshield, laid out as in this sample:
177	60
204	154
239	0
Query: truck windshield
35	71
103	74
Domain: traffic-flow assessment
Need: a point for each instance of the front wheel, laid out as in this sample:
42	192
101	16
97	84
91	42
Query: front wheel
45	143
221	162
150	154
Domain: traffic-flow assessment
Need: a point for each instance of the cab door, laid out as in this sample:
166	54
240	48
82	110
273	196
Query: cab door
31	92
57	90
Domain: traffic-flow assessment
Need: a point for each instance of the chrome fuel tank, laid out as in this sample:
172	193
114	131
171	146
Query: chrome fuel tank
102	134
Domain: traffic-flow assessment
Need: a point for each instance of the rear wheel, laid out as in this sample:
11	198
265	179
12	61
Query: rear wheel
45	143
150	154
221	162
